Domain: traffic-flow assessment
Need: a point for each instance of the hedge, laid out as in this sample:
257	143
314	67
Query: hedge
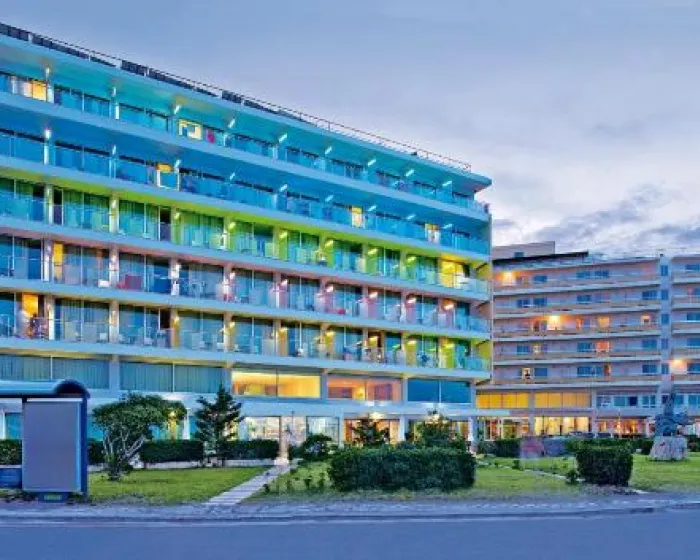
391	468
509	448
172	451
693	443
604	465
10	452
252	449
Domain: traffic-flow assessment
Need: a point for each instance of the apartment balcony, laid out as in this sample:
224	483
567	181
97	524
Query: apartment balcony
644	380
525	285
685	276
268	300
503	357
502	311
212	140
504	333
686	351
685	301
686	326
323	261
40	334
104	165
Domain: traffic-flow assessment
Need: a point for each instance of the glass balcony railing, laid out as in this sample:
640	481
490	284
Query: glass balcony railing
32	208
217	340
563	305
97	163
83	102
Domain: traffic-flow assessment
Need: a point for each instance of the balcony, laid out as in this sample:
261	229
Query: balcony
237	294
503	332
683	351
545	355
98	219
564	305
93	162
522	283
231	347
204	135
575	379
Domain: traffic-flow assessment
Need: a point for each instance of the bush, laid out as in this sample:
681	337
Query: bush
96	452
507	448
316	447
643	444
251	449
171	451
604	465
485	447
394	468
10	452
574	445
694	443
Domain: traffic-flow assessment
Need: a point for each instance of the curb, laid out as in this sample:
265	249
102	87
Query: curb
314	517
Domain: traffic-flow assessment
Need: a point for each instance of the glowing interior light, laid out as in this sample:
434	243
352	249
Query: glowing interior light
410	217
372	208
283	235
282	138
410	172
329	198
372	251
284	187
447	183
328	150
176	110
232	122
371	162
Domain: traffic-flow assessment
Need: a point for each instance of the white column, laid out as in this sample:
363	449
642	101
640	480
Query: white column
473	433
3	430
186	426
403	426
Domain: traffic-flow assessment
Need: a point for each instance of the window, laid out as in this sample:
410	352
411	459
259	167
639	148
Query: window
694	342
650	343
523	349
664	270
649	295
664	369
693	316
539	302
665	319
584	347
518	254
423	390
526	373
541	372
456	392
581	274
664	295
522	302
539	279
602	274
589	371
694	367
648	369
692	267
584	298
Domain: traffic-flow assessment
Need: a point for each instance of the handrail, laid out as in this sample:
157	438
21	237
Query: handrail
225	95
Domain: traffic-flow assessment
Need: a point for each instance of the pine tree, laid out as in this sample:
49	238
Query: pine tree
215	421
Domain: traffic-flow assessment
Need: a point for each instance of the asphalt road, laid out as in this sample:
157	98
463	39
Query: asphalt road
640	536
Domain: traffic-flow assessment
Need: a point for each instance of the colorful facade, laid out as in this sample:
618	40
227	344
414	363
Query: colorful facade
582	341
162	235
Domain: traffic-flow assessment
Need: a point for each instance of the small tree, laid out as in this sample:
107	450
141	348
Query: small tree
368	434
215	420
128	423
436	432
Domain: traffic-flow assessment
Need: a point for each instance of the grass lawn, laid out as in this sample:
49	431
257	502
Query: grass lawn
668	476
491	483
169	486
554	465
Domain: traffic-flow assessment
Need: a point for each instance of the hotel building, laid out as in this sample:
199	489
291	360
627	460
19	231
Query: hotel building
163	235
582	341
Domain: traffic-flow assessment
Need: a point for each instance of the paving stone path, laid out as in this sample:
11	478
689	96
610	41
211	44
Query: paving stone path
237	494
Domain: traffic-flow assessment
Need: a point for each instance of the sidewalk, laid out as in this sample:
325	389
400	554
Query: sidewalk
343	510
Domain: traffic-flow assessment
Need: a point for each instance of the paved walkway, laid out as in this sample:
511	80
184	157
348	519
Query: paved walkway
237	494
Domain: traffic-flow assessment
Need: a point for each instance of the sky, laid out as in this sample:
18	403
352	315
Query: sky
586	115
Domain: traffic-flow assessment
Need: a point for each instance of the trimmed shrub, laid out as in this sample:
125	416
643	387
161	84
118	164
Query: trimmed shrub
574	445
507	448
316	447
10	452
693	443
96	452
604	465
172	451
251	449
393	468
642	444
485	447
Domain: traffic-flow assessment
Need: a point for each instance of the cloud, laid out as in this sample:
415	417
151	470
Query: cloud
608	227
